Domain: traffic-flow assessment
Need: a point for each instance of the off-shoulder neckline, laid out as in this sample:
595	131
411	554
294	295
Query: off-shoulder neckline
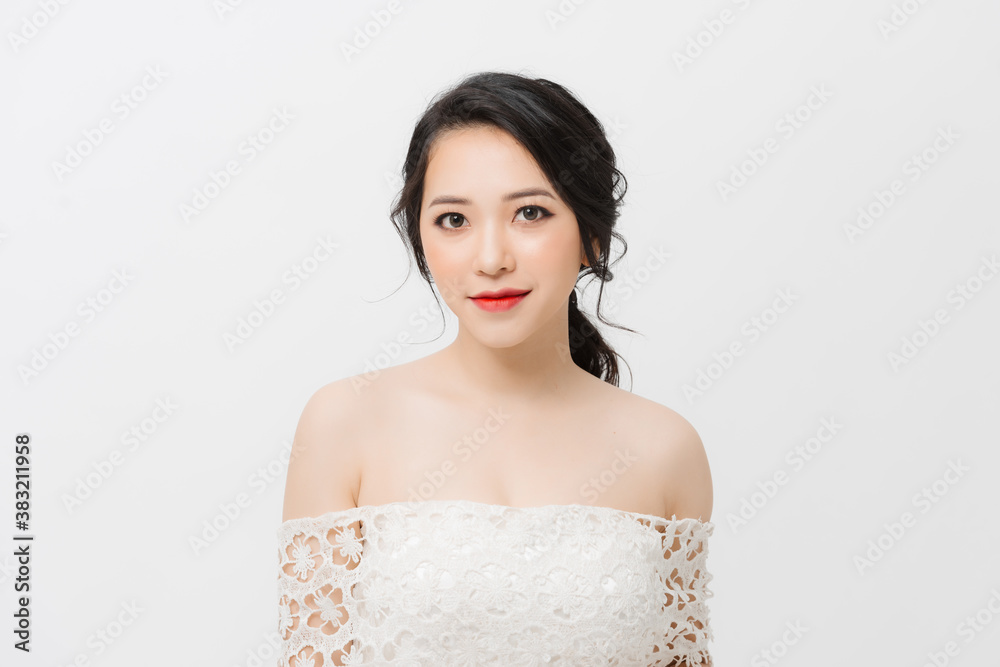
412	504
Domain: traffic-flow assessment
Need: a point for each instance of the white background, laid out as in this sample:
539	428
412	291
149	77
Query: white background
332	173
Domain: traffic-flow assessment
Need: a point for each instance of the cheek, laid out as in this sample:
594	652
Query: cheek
445	268
432	250
557	254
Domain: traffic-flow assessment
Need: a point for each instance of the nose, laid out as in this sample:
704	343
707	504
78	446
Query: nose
493	247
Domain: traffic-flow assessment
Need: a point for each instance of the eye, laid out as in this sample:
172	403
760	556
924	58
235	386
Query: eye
538	213
448	217
532	214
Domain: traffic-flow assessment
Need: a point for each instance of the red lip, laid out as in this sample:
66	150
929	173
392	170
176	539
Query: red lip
499	301
507	291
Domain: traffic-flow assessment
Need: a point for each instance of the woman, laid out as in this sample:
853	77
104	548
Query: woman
501	501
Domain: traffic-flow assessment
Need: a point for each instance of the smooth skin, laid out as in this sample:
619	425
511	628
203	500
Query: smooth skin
501	415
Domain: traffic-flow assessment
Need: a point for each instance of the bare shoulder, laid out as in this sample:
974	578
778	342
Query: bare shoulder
324	471
676	451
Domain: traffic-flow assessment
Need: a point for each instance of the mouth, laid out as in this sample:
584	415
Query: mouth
506	291
499	301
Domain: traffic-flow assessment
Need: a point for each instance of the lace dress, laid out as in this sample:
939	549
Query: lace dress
456	582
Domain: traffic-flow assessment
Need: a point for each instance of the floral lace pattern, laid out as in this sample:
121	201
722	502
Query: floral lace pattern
454	582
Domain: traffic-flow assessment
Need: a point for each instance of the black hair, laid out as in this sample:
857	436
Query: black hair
571	148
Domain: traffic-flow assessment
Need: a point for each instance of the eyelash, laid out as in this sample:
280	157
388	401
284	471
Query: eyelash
545	214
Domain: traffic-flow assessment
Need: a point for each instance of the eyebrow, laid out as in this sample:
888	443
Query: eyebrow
510	196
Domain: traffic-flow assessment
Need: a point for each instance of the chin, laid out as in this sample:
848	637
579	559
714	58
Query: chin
501	337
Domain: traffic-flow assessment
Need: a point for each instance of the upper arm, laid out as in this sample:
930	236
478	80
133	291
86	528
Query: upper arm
317	562
680	466
686	475
687	481
324	472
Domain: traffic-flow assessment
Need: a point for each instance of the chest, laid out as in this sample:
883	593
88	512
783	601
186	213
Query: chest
584	571
513	457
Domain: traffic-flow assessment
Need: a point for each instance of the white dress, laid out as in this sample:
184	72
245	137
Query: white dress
458	582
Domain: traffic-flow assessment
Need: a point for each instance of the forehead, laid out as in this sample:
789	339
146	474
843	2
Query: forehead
483	158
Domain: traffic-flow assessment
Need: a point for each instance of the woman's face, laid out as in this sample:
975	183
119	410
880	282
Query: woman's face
497	236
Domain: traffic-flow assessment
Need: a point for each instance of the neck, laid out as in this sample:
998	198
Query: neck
537	369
